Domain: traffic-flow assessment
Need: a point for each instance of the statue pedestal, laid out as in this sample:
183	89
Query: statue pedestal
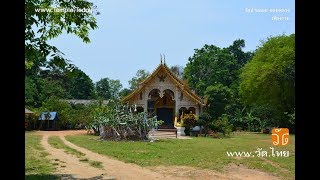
180	131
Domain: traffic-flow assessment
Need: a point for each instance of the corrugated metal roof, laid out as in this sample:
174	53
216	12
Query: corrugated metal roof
52	116
27	111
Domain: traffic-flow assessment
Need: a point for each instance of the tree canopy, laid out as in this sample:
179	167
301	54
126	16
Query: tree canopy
213	65
41	24
115	87
81	86
269	78
140	76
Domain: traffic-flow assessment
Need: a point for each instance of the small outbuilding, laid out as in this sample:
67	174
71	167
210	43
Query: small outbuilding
48	121
27	113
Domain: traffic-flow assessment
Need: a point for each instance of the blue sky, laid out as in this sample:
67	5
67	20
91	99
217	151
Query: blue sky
133	33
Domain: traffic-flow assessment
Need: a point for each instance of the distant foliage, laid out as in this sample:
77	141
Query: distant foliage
177	70
140	76
103	89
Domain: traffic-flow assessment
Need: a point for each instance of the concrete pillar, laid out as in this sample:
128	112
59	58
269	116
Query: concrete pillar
177	103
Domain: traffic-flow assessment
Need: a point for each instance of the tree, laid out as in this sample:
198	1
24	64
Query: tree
115	87
205	120
124	92
81	86
218	97
236	50
31	92
43	23
177	70
212	65
268	79
140	76
103	88
51	88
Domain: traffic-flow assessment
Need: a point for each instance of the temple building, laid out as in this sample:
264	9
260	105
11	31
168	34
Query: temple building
163	94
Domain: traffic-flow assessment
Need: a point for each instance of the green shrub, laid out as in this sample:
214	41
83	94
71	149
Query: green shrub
189	121
222	125
205	120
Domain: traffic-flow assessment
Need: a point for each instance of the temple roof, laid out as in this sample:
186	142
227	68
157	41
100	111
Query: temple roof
180	84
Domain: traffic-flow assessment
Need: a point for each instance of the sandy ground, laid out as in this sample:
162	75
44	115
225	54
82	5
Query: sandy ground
69	165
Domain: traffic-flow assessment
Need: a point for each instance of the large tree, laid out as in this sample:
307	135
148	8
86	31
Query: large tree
108	88
42	23
212	65
218	97
269	78
31	93
115	87
81	86
140	76
103	88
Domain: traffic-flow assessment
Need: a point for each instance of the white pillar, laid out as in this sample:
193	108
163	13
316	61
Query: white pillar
197	111
176	97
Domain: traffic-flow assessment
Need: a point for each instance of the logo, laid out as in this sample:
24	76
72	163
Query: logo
280	136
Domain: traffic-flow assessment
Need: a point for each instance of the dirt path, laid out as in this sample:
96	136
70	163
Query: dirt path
70	165
119	169
115	169
112	169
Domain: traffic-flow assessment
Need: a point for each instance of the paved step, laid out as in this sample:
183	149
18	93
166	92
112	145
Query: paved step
163	134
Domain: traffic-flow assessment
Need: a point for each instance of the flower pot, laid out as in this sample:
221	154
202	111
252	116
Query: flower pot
180	131
196	128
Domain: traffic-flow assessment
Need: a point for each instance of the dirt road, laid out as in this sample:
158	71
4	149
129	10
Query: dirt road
115	169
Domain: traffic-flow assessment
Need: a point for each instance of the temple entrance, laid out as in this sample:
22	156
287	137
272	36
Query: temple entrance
162	104
166	115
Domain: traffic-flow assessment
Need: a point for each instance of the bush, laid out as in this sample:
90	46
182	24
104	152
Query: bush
121	122
222	125
205	120
189	121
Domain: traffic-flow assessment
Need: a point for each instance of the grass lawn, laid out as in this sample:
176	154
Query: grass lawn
201	152
37	166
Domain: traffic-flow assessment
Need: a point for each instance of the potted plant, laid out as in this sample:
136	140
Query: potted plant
189	121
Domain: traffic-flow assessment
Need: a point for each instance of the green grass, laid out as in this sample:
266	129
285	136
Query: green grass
56	142
201	152
37	165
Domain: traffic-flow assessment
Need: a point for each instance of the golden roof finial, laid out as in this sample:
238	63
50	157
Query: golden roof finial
160	58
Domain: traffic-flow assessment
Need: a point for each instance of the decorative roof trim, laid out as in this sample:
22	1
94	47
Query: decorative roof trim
180	84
